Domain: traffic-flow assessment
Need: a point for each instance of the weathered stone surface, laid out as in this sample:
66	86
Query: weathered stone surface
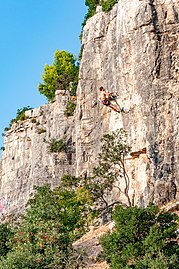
133	51
90	244
27	161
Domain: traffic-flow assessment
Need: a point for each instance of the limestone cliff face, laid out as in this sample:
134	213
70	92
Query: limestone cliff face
27	162
133	51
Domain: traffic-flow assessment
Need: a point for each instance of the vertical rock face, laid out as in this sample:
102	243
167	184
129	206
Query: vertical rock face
27	161
133	51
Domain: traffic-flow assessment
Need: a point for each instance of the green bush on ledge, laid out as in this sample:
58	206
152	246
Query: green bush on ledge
92	5
70	108
107	5
56	146
20	116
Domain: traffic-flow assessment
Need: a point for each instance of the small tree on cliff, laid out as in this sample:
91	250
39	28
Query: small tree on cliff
111	170
62	75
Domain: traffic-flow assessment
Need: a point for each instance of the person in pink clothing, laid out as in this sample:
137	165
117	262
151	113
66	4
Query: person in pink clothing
106	98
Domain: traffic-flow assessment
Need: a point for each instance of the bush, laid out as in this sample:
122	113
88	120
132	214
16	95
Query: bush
21	113
5	235
7	129
59	75
20	116
107	5
142	238
92	4
57	146
53	221
70	108
41	131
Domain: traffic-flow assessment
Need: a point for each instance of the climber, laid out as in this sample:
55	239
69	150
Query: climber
67	93
107	97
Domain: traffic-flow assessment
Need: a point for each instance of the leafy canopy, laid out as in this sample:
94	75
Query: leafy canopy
92	4
107	5
5	234
142	238
61	75
53	220
111	170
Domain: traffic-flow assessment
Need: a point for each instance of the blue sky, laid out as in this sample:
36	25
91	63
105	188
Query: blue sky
30	32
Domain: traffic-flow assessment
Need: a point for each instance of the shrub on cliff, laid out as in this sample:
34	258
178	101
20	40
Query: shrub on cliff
108	4
70	108
56	146
142	238
92	4
61	75
20	116
111	172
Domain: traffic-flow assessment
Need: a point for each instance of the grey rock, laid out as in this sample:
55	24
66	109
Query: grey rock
133	51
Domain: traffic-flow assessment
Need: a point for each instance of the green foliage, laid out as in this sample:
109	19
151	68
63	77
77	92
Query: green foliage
21	113
53	220
6	129
57	145
78	205
41	131
34	120
70	108
27	260
37	123
68	182
20	116
59	75
81	53
111	169
19	259
108	4
5	234
49	78
92	4
142	238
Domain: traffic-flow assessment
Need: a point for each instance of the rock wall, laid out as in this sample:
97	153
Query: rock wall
133	51
26	160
